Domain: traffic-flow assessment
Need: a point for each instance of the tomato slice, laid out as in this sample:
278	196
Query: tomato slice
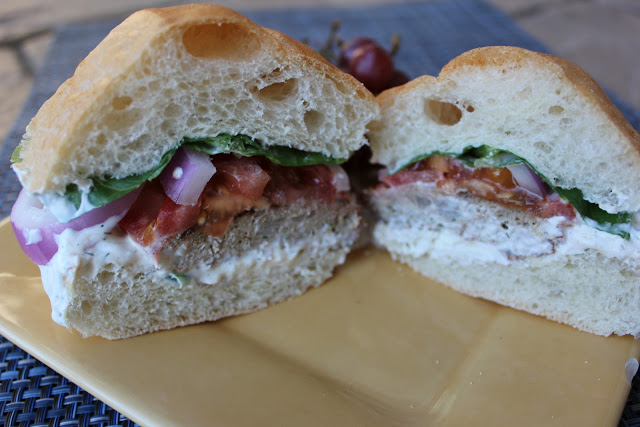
240	175
240	184
494	184
138	222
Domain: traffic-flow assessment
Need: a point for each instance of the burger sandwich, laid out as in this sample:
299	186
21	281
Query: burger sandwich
512	177
188	171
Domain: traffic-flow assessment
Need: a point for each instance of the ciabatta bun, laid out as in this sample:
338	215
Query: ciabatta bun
194	71
552	114
188	71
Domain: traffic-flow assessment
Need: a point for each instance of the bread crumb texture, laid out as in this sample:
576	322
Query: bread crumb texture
188	71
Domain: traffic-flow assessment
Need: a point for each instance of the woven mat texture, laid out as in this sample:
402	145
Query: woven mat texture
432	34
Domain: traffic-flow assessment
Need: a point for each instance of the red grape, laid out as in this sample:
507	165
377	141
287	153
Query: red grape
398	78
373	66
349	47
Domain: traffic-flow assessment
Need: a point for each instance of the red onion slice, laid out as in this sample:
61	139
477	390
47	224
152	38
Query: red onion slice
340	179
186	175
35	226
382	174
527	179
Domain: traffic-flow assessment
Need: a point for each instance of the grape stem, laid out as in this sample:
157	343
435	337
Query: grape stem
327	50
395	44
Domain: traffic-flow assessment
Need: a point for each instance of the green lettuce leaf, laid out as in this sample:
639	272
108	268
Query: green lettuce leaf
108	189
245	146
15	156
486	156
181	279
618	223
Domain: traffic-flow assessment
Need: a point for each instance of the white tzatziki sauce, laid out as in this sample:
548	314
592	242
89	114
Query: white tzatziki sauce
88	252
63	209
570	239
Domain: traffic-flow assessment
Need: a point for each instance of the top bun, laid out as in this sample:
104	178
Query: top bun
540	107
188	71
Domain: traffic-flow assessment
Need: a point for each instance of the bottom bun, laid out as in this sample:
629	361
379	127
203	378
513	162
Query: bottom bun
589	292
114	290
567	272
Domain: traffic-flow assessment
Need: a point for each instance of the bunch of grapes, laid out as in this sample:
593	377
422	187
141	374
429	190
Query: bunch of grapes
365	59
370	63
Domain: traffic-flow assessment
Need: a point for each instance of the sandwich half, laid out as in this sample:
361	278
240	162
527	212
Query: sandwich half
188	171
512	177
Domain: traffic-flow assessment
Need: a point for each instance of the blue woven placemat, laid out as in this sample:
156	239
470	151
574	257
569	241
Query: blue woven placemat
432	34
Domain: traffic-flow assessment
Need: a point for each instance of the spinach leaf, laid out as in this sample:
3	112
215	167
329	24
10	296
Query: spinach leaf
15	156
617	223
486	156
182	279
108	189
473	157
245	146
74	195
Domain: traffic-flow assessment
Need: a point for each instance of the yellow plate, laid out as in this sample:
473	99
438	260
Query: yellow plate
376	345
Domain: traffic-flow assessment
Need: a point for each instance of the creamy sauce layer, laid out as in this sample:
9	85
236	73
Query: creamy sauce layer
63	209
578	238
87	252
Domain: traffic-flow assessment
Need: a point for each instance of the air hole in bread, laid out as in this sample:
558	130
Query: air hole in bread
94	152
172	110
312	120
142	141
86	307
192	122
525	93
244	104
279	92
349	112
444	113
627	273
275	74
556	110
558	91
167	126
121	102
228	93
542	146
229	41
116	120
